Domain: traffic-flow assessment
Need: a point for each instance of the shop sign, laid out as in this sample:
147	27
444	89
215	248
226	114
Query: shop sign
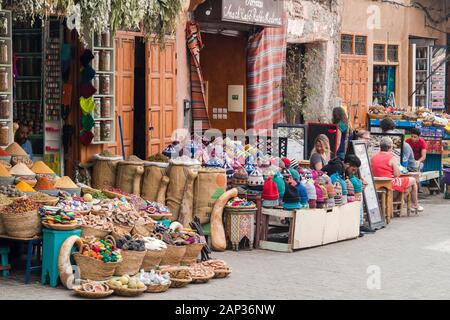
256	12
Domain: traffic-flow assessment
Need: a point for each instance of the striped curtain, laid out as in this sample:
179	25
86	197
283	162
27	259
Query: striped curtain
265	69
198	96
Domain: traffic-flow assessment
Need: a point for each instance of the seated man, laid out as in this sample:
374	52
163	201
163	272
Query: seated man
21	137
418	146
385	164
346	169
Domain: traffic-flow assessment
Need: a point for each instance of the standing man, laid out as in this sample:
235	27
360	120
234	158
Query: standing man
419	147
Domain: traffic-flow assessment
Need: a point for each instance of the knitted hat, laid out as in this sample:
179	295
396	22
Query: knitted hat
213	163
357	184
294	173
270	193
240	177
249	167
303	194
269	172
256	180
294	164
311	190
291	198
330	202
286	162
330	190
320	198
338	196
285	173
278	179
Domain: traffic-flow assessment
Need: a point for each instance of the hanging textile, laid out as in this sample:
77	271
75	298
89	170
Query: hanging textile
266	58
198	96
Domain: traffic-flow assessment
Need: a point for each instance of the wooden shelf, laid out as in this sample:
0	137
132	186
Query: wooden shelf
103	48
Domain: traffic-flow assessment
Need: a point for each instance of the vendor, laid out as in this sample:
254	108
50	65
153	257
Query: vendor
419	147
385	164
387	125
320	155
341	120
21	137
346	169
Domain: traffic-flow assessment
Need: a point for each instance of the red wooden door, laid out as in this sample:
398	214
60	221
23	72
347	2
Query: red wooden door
161	114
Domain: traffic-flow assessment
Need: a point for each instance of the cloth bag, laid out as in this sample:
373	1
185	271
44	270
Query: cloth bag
129	176
151	180
104	172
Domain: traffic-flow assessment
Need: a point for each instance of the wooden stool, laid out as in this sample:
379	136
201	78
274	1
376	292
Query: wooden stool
386	185
382	195
4	263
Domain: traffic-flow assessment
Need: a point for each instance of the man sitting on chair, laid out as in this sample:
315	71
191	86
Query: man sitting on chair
385	164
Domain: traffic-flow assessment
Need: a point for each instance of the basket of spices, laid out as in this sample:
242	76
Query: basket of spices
6	178
21	219
44	199
5	156
97	259
18	155
133	253
155	252
23	173
46	185
67	185
42	170
4	200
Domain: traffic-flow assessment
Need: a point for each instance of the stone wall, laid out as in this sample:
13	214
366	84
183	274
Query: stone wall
317	23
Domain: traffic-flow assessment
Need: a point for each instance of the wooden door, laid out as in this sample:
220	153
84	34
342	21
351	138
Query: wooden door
353	78
124	92
161	114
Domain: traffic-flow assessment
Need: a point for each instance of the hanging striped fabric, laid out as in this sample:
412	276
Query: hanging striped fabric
266	59
198	96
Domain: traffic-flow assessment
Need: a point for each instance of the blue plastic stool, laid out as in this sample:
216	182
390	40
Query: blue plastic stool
4	265
52	242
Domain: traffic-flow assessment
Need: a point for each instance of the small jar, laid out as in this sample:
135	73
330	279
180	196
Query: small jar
106	107
97	39
96	83
5	107
3	25
105	60
4	133
106	39
97	131
97	108
105	84
4	83
95	61
3	52
106	132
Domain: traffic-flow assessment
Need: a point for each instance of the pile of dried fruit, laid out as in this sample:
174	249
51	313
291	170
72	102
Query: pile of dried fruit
198	270
96	221
20	206
216	264
126	282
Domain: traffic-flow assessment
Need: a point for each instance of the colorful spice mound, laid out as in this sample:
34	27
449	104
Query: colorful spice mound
66	183
41	168
3	153
3	171
20	206
45	183
24	187
128	243
15	150
39	196
21	169
11	191
101	250
54	215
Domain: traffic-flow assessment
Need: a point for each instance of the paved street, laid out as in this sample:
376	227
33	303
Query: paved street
412	254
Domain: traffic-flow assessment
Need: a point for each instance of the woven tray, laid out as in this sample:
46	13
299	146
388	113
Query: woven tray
93	295
158	216
62	227
205	279
50	202
113	195
125	292
159	288
180	283
222	273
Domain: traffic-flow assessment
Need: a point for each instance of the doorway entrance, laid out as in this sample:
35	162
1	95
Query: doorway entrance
140	127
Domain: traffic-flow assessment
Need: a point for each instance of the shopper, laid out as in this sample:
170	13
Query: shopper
321	153
387	125
345	169
340	118
21	137
385	164
419	147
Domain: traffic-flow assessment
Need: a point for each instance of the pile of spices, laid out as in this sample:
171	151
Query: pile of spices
15	150
21	169
39	196
65	183
41	168
4	200
24	187
3	171
20	206
3	153
45	183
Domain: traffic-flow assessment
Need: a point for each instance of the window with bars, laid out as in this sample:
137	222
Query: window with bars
346	44
379	52
361	45
392	53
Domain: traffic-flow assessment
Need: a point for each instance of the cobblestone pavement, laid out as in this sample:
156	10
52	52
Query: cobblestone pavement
412	254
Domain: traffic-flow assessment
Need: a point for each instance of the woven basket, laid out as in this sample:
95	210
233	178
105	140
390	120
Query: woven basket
49	202
22	225
179	283
87	231
2	226
222	273
159	288
152	259
131	262
193	250
94	269
176	272
376	115
174	255
396	117
93	295
62	227
204	279
125	292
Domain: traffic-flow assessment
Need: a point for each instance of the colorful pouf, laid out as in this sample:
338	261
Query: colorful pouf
270	194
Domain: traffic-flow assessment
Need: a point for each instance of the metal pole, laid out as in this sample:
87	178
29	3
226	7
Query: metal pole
121	136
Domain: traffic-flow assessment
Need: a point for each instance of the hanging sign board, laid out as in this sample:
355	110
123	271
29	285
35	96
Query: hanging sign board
255	12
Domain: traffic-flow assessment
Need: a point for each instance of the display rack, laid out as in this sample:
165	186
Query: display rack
103	63
420	72
52	43
6	74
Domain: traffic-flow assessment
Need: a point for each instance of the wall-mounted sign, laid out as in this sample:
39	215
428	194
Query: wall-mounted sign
258	12
236	98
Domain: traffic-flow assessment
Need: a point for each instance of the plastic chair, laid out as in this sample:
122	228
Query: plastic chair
51	245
